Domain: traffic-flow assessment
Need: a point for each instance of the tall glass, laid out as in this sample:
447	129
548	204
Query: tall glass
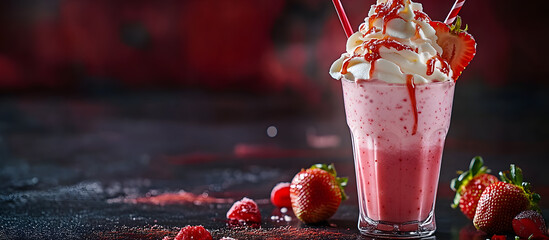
398	133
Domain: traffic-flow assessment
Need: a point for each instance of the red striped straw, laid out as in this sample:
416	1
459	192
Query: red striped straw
343	18
455	10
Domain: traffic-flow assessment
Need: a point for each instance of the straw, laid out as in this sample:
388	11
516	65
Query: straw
455	10
343	18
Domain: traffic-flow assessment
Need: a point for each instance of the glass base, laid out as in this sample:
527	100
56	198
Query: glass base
406	230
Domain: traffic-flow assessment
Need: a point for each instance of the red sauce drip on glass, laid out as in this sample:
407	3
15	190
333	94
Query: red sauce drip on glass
412	92
387	12
444	68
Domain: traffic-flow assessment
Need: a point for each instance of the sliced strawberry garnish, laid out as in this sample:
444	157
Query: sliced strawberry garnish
458	46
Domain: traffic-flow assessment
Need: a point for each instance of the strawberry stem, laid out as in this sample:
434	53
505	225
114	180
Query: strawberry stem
456	28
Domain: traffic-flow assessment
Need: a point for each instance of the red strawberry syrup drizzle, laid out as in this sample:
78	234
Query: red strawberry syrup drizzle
372	47
445	67
412	92
421	16
386	12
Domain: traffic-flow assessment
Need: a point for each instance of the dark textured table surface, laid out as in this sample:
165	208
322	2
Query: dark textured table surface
140	166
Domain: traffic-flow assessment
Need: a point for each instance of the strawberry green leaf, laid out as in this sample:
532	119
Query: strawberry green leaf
536	197
503	176
454	184
534	200
476	165
526	186
342	181
464	175
328	168
456	28
516	175
455	203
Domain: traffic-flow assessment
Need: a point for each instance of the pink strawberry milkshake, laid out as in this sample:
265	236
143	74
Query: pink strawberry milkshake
397	170
398	94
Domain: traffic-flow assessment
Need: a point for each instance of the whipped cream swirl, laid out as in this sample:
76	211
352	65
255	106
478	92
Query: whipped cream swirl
395	43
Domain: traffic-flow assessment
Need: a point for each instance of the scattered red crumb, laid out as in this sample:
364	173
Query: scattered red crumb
239	233
244	212
194	233
123	232
286	232
181	197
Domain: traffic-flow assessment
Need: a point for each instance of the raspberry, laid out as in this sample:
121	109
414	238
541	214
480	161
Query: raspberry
280	195
193	232
245	212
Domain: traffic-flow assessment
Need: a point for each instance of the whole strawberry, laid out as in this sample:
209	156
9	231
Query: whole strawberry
469	185
316	193
502	201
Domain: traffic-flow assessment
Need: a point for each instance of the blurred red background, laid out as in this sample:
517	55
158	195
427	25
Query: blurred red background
251	46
